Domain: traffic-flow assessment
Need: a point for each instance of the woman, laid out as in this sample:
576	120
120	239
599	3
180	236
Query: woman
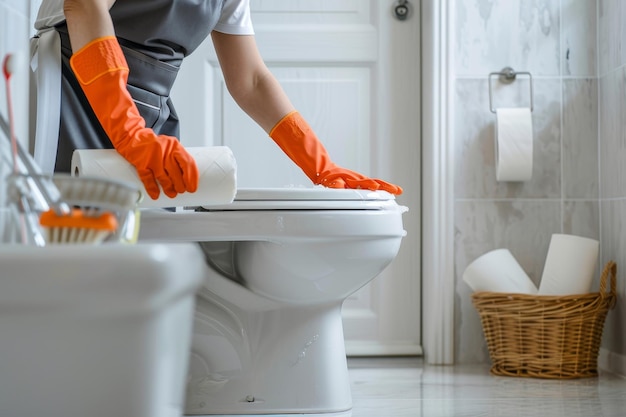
119	62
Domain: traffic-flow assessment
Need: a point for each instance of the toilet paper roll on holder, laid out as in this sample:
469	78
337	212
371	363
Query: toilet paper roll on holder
506	76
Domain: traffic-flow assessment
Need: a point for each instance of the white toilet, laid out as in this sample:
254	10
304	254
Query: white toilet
268	335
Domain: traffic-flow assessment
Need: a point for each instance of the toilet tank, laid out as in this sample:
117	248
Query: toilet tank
96	331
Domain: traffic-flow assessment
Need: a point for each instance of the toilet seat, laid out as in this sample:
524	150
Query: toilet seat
278	214
317	198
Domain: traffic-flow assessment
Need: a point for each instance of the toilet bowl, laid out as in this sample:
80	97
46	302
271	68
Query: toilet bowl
268	335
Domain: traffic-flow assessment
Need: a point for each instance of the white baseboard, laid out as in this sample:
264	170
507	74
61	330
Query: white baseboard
355	348
612	362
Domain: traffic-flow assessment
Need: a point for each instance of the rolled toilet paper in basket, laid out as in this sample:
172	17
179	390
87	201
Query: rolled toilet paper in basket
498	271
570	265
216	166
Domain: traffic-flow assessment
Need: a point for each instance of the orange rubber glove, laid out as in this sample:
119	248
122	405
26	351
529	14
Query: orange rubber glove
298	141
102	72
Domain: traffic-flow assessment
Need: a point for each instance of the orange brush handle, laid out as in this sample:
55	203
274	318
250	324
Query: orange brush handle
78	219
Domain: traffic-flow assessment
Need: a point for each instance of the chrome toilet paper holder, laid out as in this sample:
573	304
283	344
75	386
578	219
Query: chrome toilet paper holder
506	76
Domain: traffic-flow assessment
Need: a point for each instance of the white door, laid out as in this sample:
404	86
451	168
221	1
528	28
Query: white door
352	70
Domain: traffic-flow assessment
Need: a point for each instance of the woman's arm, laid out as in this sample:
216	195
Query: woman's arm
87	20
102	71
259	94
249	81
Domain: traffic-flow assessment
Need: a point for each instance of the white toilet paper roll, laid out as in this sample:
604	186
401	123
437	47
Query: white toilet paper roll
216	165
570	265
498	271
514	144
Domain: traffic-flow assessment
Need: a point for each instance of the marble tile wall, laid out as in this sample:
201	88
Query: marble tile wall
612	157
556	41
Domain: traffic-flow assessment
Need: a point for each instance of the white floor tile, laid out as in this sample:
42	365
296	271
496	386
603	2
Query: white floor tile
404	387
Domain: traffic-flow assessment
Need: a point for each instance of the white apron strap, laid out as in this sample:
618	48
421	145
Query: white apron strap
46	64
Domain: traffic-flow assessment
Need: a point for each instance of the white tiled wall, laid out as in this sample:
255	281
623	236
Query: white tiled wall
556	41
612	160
576	52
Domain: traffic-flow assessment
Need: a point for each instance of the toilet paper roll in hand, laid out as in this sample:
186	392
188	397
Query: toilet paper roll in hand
216	165
570	265
514	144
498	271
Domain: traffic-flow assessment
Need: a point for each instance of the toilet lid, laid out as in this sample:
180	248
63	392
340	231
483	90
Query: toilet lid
312	198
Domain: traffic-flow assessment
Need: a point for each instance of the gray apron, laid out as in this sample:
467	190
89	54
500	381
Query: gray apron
155	36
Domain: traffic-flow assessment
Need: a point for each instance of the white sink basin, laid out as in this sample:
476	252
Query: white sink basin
96	331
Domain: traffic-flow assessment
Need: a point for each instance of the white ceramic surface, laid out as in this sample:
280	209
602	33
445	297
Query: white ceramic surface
96	330
268	336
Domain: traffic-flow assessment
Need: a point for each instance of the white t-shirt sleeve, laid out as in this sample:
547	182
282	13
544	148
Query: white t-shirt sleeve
50	13
235	18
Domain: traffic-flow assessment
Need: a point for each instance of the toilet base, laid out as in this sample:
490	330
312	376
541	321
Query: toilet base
340	414
283	360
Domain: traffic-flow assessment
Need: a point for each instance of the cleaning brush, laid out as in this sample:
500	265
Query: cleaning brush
77	227
95	196
61	221
27	227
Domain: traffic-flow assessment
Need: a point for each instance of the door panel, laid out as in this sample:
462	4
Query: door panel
335	101
353	73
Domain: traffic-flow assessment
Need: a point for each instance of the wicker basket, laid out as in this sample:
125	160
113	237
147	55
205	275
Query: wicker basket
555	337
